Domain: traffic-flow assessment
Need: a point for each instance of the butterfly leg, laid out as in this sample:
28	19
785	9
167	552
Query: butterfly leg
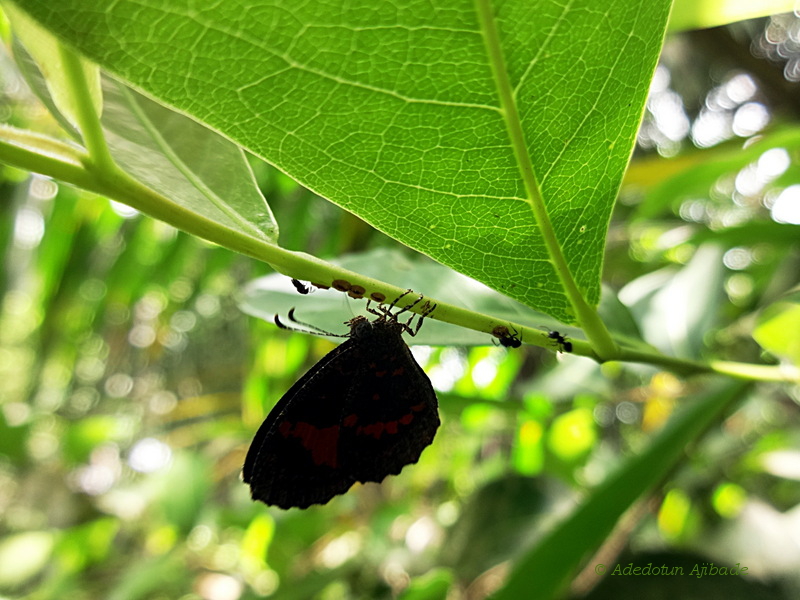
386	311
403	295
407	306
428	308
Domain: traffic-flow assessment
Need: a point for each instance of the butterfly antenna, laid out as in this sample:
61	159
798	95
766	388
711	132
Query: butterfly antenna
301	287
308	328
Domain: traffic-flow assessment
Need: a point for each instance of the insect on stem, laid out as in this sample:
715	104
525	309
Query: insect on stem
507	338
561	342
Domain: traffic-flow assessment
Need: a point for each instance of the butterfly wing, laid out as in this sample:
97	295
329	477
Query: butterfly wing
392	413
363	412
294	458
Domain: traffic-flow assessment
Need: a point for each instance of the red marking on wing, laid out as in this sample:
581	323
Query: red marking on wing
398	371
350	420
321	442
376	430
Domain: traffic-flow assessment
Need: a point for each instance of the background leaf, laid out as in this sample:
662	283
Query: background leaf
45	49
676	307
185	161
777	329
172	154
694	14
392	111
551	563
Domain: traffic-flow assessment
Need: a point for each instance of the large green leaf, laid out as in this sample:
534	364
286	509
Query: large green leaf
442	123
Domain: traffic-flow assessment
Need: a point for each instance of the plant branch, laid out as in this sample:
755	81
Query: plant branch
41	154
743	371
86	113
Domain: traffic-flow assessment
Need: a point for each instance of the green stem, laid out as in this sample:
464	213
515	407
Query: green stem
743	371
586	315
99	156
780	373
37	153
41	154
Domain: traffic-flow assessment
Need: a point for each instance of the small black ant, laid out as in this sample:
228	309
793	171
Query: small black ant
563	344
506	338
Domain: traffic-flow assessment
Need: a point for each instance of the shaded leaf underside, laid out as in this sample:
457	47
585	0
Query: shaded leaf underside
392	111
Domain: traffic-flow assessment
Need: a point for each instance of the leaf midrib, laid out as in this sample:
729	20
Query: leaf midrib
508	107
586	316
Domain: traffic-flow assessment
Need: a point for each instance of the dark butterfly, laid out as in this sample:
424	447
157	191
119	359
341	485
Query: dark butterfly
361	413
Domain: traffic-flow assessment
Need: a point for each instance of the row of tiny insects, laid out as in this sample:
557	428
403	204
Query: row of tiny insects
501	332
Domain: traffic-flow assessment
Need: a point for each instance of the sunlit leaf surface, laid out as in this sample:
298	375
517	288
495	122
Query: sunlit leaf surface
405	113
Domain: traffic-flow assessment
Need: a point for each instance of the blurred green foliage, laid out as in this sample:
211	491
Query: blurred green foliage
131	385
